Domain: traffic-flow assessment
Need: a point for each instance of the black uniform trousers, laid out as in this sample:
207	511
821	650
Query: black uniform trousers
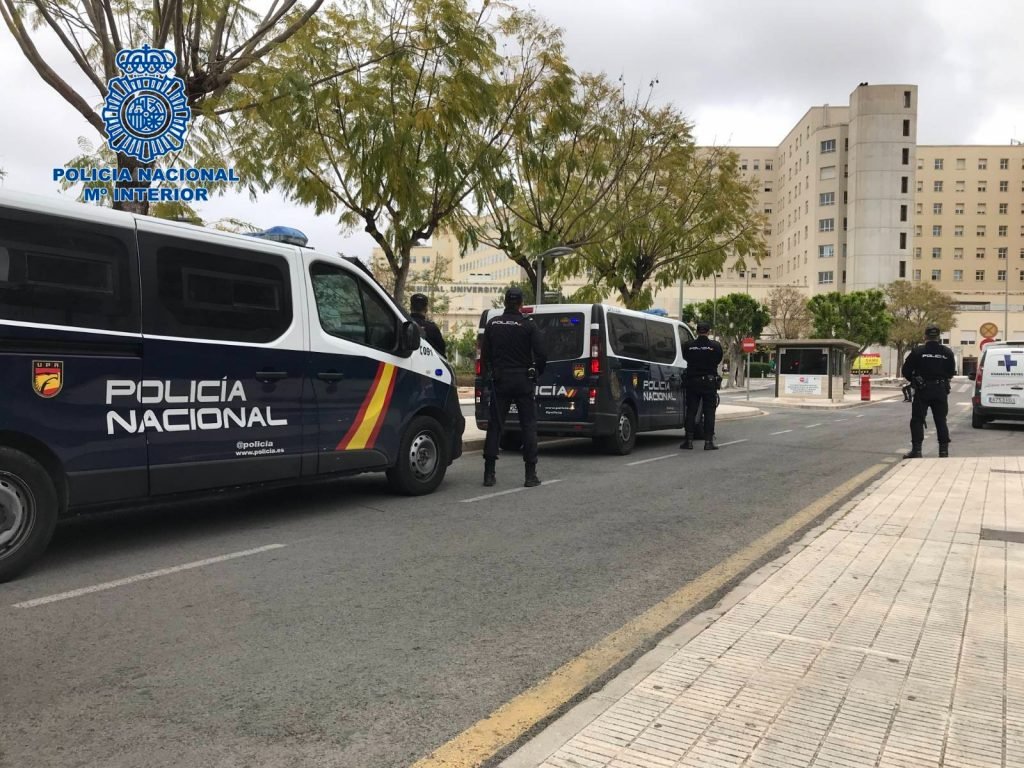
932	395
512	386
702	391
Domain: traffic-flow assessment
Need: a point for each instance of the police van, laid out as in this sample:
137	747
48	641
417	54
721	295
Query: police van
999	384
141	358
611	373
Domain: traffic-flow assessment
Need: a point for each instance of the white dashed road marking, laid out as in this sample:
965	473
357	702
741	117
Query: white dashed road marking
144	577
812	426
648	461
783	432
733	442
505	493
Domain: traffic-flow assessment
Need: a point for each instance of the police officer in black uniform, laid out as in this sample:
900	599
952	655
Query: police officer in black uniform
702	356
929	368
512	356
418	305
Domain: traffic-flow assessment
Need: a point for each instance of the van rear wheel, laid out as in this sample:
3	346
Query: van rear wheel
977	421
422	458
622	441
28	511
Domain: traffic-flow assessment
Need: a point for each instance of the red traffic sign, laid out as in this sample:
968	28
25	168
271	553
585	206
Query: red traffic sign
983	342
749	345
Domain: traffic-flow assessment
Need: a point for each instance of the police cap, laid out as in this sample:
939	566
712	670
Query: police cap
703	327
932	332
514	295
418	301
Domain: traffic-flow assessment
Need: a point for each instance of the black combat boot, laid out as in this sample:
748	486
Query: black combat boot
489	476
686	445
709	445
914	453
532	481
943	450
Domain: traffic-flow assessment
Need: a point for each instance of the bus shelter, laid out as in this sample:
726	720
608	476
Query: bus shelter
811	369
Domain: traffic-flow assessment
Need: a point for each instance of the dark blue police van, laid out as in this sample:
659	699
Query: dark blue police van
611	373
142	359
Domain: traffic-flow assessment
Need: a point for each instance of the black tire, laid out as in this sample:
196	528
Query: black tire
977	421
422	458
28	511
623	440
511	441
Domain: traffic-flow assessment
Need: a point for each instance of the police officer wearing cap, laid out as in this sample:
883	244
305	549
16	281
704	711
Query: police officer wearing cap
512	357
418	305
702	356
929	368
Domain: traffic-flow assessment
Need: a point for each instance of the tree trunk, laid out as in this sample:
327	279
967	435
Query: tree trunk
132	206
401	277
736	371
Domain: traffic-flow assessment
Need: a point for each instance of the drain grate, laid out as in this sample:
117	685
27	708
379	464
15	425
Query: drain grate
1009	471
997	534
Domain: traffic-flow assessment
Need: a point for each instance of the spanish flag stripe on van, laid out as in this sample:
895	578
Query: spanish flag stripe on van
366	427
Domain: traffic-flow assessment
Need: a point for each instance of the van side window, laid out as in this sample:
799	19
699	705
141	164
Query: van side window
663	342
684	335
628	336
59	273
351	310
209	294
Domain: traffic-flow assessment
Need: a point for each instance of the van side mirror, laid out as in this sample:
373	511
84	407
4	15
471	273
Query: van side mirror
409	338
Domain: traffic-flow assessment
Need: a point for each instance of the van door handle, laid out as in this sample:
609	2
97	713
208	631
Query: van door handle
330	376
271	375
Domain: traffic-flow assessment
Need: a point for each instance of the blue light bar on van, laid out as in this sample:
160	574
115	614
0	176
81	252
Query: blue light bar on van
288	235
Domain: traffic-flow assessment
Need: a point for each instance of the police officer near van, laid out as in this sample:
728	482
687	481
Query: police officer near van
418	306
929	368
512	356
703	355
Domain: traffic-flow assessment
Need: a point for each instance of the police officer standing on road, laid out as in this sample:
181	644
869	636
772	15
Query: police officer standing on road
512	357
418	305
702	356
929	368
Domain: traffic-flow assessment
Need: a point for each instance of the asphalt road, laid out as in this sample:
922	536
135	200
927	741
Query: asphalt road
380	627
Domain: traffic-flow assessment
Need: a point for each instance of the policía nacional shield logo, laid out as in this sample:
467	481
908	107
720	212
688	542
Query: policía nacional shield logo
47	377
146	112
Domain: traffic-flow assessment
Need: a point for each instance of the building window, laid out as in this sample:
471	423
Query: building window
937	186
1003	230
981	231
1004	208
920	186
826	173
827	198
979	253
1004	186
958	275
936	253
917	274
757	167
959	209
958	253
768	165
903	213
982	209
906	99
826	251
766	210
1003	252
961	163
829	145
905	184
1004	164
906	155
917	230
983	186
938	164
1001	275
958	230
936	274
936	209
844	223
903	241
903	269
920	208
917	251
906	127
767	186
826	278
826	225
979	274
845	197
961	186
982	163
920	163
937	230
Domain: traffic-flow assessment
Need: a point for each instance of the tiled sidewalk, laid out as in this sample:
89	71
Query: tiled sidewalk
894	639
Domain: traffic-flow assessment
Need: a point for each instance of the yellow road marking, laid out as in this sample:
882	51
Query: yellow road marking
504	726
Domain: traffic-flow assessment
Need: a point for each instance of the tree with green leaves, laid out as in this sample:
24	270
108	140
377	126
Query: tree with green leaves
461	344
688	215
790	317
858	316
568	150
914	306
732	318
398	148
216	45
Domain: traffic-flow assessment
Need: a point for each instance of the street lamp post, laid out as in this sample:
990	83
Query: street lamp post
558	250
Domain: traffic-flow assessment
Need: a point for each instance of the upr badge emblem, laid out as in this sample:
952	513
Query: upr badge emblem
577	372
47	377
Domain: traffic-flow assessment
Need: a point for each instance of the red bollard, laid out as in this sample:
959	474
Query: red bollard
865	387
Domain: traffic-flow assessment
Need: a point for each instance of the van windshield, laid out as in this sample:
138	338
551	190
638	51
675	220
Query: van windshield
562	334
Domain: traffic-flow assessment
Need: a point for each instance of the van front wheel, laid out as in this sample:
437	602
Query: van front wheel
622	441
28	511
422	458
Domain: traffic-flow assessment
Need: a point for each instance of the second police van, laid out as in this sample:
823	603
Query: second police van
142	358
611	373
999	384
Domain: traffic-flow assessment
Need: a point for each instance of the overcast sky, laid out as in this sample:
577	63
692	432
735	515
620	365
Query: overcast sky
743	70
